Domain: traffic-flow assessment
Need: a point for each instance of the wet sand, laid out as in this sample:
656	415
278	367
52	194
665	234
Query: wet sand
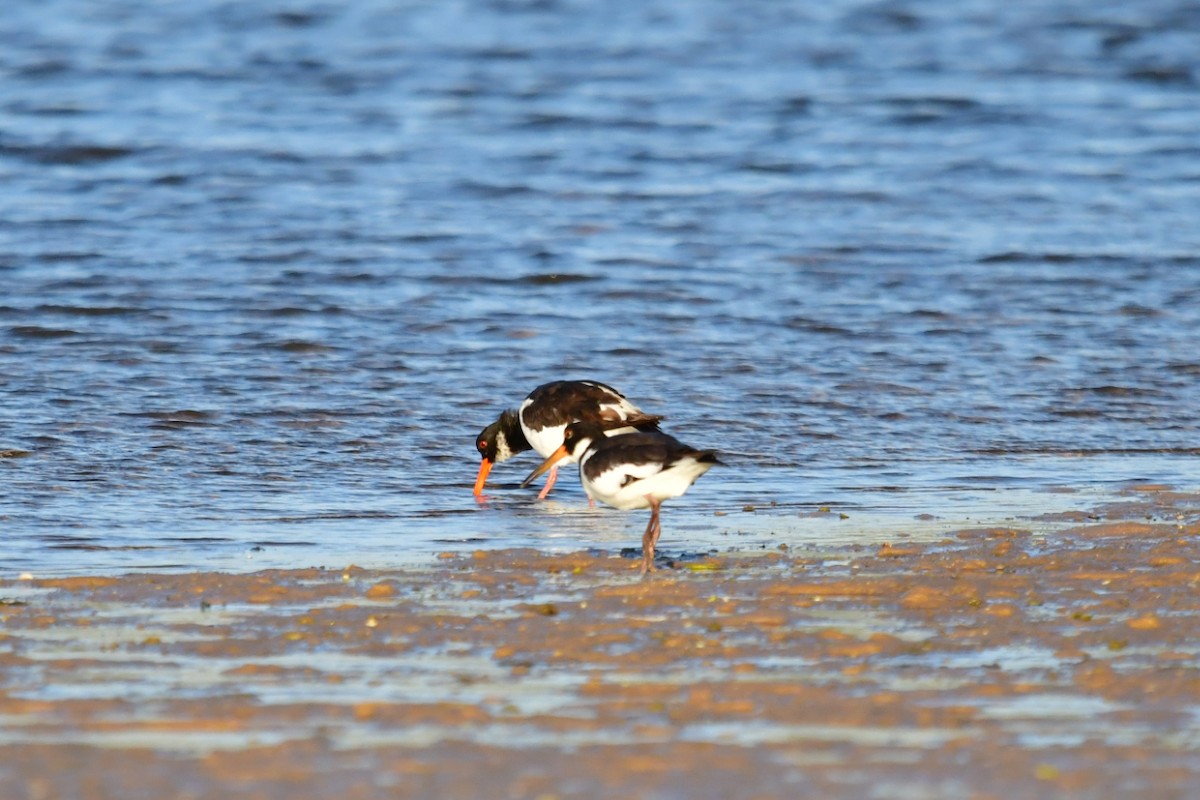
1059	659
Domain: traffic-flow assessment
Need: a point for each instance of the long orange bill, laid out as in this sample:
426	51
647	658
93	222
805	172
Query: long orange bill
552	459
484	468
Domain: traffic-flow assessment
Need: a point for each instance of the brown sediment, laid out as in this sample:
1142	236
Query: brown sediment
994	663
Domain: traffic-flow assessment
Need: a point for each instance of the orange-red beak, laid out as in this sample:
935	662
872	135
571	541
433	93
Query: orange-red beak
552	459
484	468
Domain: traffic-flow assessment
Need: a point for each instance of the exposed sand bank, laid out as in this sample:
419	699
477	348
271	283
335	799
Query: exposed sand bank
996	663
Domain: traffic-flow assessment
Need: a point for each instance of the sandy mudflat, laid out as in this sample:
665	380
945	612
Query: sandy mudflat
1001	663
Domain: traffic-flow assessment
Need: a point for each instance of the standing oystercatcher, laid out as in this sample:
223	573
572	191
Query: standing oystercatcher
538	424
631	470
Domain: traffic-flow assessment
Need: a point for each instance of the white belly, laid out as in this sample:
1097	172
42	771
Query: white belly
545	441
549	439
649	480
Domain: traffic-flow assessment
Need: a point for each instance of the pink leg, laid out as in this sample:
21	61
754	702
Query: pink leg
650	537
549	483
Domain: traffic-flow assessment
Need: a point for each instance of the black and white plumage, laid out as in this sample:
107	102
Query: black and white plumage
631	470
539	423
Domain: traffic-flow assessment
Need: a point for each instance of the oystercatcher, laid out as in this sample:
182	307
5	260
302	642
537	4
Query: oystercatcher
631	470
538	424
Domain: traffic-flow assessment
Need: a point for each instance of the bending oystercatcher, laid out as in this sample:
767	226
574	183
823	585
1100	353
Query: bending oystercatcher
632	470
538	424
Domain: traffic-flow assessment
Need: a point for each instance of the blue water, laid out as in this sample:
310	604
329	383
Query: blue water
266	270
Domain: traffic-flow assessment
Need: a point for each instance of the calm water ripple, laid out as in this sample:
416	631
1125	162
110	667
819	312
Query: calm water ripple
267	272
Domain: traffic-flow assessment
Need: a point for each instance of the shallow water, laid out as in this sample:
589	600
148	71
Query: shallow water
266	273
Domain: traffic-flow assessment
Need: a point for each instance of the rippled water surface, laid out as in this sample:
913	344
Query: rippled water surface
265	270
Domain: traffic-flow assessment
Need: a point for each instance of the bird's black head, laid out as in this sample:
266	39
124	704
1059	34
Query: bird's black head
487	442
502	439
579	434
